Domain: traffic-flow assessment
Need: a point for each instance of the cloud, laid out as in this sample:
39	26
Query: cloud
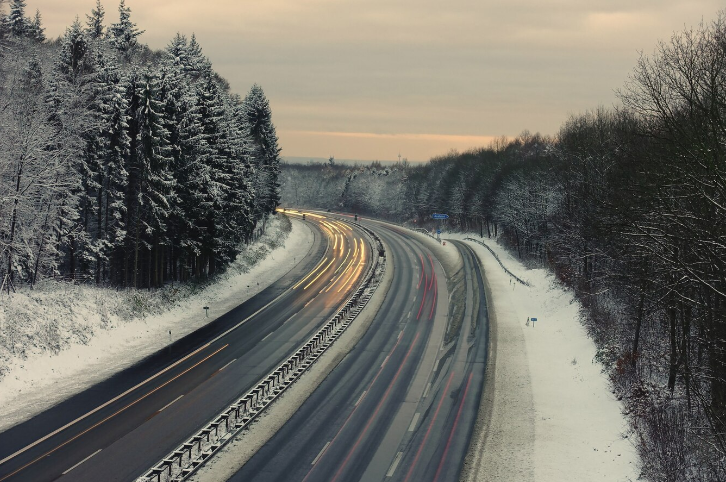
467	67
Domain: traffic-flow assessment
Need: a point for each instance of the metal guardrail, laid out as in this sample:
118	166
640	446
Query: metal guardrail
518	279
188	457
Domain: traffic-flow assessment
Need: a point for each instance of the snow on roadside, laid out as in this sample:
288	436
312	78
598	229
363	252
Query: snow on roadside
579	430
85	334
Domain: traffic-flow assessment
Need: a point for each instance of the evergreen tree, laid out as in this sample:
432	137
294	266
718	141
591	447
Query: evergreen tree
18	23
36	30
124	34
265	151
73	61
94	21
150	182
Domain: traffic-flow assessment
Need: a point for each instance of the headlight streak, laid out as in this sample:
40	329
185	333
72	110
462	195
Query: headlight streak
310	274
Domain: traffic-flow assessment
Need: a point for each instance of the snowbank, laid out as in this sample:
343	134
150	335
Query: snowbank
60	339
550	408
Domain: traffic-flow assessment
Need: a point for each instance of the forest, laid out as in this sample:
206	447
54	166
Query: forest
121	165
627	206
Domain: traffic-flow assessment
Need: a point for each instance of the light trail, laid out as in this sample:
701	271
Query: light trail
310	274
319	275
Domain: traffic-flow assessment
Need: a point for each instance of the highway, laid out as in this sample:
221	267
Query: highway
402	404
119	428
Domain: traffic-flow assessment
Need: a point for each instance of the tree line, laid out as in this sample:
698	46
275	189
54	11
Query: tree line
628	207
123	165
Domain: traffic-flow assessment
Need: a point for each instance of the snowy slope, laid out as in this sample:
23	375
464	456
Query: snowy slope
553	414
96	335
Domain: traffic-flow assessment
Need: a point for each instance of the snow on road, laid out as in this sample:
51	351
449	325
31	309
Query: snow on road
549	413
42	380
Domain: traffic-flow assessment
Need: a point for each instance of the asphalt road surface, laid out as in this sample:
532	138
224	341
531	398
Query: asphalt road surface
402	404
119	428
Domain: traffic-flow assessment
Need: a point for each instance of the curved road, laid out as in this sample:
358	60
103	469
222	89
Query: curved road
119	428
402	404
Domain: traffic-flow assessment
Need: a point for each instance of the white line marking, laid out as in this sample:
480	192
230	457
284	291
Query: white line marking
168	404
228	364
426	392
361	397
43	439
436	365
414	421
399	335
385	361
102	406
266	337
321	453
409	315
79	463
394	464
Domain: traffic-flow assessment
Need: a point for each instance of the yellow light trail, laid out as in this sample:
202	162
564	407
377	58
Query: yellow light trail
310	274
320	274
341	264
360	264
350	263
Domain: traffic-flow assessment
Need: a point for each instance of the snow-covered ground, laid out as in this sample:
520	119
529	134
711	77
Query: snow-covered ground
61	339
549	412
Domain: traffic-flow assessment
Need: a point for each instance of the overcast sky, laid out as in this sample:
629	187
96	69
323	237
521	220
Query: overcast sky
367	79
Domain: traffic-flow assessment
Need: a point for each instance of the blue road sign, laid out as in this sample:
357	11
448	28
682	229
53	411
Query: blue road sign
440	216
438	231
533	319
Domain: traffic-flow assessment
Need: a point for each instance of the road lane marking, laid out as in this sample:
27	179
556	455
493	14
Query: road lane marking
436	293
413	422
423	270
321	453
40	440
79	463
350	415
228	364
361	397
453	429
400	335
394	464
270	333
426	392
111	416
431	425
385	361
423	301
375	413
170	403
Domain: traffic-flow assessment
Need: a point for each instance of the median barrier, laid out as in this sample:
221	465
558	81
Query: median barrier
177	466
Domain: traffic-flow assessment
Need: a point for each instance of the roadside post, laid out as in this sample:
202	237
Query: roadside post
206	311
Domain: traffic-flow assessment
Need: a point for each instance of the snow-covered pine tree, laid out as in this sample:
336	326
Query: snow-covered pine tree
188	147
197	65
107	146
124	34
18	23
94	22
73	61
150	181
265	151
216	176
36	31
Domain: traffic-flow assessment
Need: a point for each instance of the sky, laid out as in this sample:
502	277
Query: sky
372	79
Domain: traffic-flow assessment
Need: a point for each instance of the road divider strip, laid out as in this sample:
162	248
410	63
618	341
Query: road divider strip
188	457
